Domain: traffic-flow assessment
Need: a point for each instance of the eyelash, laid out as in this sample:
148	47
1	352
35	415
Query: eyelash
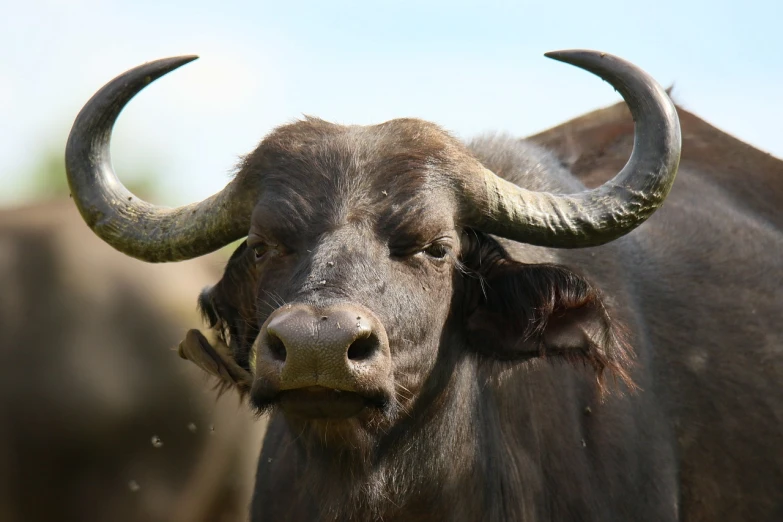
260	250
436	251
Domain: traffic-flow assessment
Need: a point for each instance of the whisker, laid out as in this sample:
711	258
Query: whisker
399	384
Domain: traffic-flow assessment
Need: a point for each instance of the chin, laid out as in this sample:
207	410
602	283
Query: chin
329	417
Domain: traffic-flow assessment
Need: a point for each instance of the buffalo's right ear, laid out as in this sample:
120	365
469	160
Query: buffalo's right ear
229	306
215	359
208	307
211	296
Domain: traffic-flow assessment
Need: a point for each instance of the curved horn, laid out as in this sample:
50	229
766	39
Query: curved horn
132	226
597	216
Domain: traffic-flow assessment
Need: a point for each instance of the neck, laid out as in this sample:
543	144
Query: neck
455	455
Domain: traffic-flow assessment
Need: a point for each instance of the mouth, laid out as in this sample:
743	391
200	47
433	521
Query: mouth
318	402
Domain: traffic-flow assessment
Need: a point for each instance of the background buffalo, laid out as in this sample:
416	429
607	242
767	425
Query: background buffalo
89	375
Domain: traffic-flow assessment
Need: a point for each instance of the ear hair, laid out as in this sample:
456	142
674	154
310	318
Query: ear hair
229	306
209	312
524	311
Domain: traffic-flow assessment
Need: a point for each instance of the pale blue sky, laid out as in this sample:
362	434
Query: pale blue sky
469	66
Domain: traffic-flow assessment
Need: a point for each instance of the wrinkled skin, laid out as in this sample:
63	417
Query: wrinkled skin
515	397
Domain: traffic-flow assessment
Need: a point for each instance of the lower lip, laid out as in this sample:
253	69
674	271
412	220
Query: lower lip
322	403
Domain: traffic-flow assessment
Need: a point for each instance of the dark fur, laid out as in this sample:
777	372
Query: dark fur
486	423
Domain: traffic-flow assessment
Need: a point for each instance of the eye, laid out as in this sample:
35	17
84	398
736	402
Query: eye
436	250
259	250
264	250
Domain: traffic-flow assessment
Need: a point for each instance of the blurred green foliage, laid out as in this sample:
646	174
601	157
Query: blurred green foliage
46	178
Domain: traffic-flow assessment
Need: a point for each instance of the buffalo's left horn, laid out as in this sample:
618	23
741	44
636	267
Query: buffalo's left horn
597	216
132	226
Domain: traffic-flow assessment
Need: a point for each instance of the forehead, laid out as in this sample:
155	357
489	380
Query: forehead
314	173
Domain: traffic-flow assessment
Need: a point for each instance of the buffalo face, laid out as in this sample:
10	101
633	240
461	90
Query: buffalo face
337	300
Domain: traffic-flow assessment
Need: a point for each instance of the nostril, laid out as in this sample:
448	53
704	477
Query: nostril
276	347
363	349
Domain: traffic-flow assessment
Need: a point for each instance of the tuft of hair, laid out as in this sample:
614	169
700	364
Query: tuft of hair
546	297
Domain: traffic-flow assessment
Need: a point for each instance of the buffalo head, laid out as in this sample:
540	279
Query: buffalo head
369	271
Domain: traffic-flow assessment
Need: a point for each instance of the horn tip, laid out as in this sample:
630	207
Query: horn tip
574	55
166	65
182	60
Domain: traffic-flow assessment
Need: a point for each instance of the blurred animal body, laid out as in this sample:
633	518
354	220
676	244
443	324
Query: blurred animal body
89	376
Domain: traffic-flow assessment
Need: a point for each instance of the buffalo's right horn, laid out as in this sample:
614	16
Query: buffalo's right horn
132	226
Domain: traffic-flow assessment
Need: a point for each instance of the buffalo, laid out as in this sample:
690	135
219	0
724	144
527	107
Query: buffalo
460	331
99	420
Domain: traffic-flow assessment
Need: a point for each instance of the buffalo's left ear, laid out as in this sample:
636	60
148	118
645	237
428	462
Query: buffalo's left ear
215	359
527	311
